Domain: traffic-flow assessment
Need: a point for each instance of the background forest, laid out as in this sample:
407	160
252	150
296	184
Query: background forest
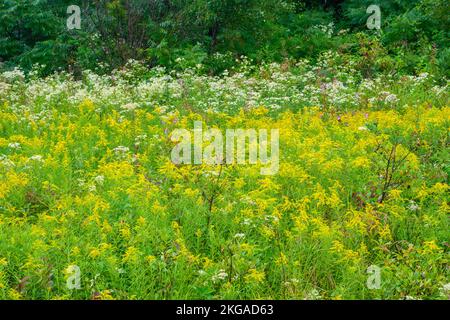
184	33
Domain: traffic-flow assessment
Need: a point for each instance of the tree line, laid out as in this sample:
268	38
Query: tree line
215	32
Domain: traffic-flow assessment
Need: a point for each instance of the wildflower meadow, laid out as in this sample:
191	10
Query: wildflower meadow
277	171
92	206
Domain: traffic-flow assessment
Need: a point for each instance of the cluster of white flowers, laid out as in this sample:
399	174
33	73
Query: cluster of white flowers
12	76
221	275
4	87
411	298
8	164
37	158
391	98
129	107
313	295
139	139
121	152
99	180
121	149
328	29
413	206
14	145
326	83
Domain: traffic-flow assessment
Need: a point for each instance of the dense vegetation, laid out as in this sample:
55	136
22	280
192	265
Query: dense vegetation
180	33
87	183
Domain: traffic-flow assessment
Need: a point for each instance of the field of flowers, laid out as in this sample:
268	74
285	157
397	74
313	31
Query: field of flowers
88	188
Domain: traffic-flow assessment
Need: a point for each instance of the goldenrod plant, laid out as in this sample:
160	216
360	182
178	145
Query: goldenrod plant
92	205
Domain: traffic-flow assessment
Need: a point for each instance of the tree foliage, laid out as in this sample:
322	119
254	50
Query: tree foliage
194	31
